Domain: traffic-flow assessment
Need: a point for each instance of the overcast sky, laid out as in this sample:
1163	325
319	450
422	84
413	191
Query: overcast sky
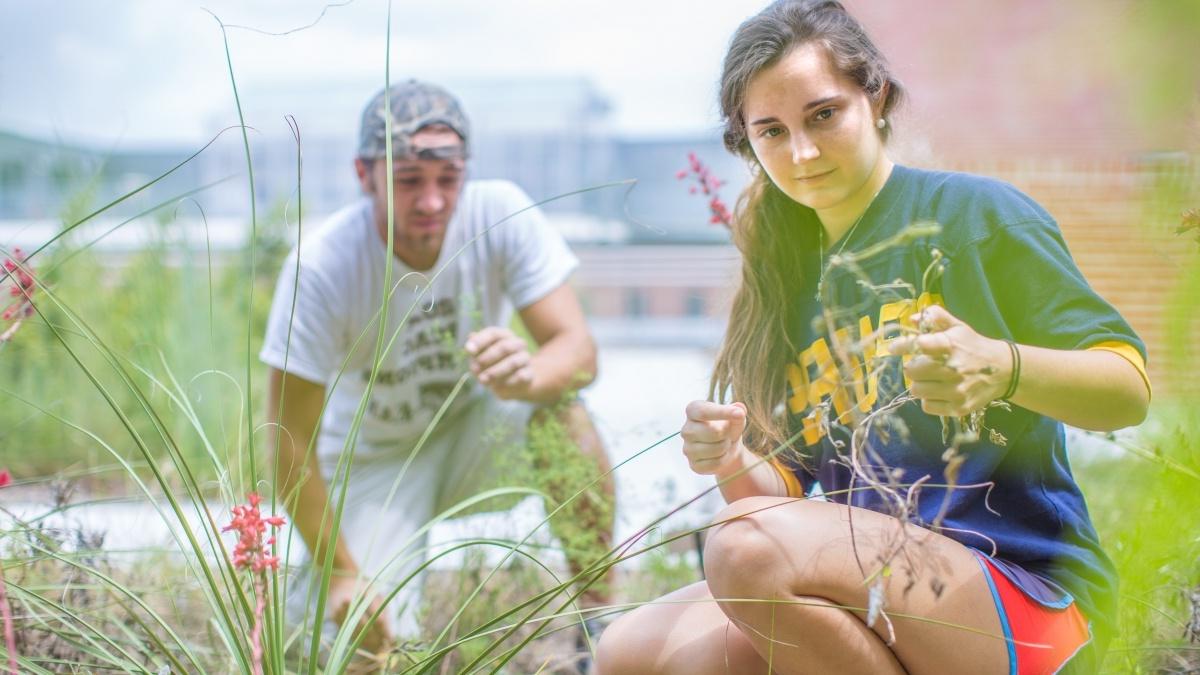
139	72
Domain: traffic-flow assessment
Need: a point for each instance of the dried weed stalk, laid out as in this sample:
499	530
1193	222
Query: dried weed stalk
902	552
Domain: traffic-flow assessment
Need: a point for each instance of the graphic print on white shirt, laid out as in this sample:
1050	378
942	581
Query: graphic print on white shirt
491	263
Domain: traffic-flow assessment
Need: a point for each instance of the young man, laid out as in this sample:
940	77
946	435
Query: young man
350	396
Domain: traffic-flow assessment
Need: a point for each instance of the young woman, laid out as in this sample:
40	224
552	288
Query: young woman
916	378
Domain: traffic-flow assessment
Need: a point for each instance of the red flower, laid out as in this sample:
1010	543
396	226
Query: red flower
5	478
22	288
250	551
708	184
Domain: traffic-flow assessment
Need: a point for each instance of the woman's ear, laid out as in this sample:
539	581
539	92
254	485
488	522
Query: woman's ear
881	99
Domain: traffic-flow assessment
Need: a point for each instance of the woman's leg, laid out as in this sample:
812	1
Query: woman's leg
683	632
801	554
686	633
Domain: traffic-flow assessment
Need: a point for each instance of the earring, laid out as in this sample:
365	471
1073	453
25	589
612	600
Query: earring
880	123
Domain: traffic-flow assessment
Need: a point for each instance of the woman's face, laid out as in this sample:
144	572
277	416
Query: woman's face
813	131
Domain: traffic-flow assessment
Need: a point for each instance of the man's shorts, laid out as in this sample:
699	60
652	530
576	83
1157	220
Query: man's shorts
389	505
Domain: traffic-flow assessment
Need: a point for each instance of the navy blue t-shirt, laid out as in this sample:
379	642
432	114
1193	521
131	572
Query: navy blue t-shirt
998	263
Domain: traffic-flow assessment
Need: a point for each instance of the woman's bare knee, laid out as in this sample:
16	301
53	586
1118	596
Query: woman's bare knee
752	543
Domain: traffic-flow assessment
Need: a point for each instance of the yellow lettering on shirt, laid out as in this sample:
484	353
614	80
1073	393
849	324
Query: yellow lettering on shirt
815	378
818	359
797	379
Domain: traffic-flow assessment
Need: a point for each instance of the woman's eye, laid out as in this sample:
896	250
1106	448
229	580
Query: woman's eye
824	115
772	132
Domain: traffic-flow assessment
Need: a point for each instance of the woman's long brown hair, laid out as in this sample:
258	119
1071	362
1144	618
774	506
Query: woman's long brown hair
777	237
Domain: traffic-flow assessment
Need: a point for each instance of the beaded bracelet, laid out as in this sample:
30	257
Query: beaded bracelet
1015	377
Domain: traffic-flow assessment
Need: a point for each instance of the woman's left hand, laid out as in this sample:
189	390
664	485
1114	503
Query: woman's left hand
954	370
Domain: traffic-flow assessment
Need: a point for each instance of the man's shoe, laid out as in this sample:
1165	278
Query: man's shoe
586	638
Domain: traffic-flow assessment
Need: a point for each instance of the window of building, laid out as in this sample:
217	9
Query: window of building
635	302
694	304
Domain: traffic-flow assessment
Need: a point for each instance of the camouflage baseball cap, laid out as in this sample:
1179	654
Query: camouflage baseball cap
414	106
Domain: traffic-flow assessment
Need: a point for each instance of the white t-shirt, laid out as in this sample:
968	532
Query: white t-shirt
511	265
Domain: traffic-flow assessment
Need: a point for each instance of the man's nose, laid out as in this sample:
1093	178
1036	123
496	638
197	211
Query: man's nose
430	200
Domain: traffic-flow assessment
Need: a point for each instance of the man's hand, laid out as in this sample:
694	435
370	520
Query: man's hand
955	370
712	435
342	592
502	363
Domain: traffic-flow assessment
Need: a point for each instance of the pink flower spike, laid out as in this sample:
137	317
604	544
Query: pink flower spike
5	478
251	554
708	184
250	526
22	287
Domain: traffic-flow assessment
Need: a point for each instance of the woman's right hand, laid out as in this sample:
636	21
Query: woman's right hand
712	435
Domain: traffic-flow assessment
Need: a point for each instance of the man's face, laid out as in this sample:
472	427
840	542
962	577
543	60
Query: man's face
424	195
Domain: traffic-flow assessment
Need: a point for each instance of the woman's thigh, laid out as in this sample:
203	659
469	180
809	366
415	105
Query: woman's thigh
937	611
687	632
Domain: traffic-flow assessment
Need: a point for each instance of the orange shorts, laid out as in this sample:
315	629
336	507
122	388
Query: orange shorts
1041	637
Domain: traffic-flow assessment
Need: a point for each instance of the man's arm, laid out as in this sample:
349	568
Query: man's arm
306	496
566	357
565	360
298	474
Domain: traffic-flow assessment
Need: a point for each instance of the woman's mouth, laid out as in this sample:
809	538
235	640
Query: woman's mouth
814	176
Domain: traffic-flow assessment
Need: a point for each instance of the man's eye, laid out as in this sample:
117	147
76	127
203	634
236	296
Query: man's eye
448	181
408	182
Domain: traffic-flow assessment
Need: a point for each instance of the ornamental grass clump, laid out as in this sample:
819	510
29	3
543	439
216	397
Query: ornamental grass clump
76	606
